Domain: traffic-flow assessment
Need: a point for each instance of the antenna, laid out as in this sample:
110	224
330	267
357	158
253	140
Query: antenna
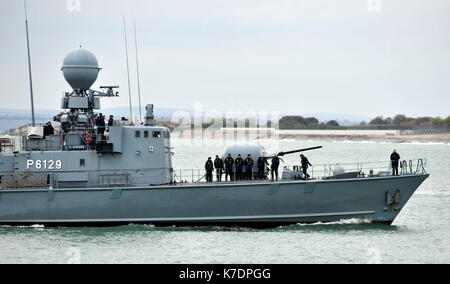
128	68
137	68
29	66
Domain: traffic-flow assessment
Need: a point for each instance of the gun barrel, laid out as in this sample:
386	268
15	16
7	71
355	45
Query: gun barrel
298	151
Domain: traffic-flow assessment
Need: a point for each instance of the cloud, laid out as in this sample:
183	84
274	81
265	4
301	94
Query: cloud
292	56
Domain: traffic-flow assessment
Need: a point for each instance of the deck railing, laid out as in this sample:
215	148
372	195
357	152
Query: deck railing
146	177
367	169
324	171
12	144
85	179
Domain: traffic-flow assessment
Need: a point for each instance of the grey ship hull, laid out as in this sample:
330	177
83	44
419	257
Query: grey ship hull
255	204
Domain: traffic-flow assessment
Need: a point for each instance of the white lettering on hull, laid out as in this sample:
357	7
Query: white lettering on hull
48	165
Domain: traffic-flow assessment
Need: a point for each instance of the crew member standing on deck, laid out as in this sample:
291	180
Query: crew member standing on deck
110	121
100	123
249	167
229	163
48	129
209	167
262	163
274	167
239	162
395	160
305	165
218	164
51	130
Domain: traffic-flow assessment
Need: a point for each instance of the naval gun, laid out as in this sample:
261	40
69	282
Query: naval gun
282	154
257	150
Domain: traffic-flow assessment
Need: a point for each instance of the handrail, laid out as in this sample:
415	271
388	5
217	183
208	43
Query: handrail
21	143
327	170
92	179
141	177
411	167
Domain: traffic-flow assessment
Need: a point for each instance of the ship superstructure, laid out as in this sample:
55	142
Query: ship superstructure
80	157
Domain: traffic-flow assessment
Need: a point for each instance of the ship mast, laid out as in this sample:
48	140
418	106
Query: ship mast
137	70
29	66
128	68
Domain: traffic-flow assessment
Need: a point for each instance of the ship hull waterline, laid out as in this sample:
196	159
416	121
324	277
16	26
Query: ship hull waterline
264	204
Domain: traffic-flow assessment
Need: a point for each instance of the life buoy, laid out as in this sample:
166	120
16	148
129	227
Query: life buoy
88	138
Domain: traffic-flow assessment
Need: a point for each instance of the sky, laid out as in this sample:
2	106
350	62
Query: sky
353	57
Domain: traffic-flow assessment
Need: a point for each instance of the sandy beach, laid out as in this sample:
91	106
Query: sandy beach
322	135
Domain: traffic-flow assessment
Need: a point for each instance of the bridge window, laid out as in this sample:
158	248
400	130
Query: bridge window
146	134
156	134
167	135
82	162
138	134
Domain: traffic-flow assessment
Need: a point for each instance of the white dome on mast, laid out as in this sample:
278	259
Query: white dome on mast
80	69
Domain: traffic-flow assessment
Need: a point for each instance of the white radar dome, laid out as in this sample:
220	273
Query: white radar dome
80	69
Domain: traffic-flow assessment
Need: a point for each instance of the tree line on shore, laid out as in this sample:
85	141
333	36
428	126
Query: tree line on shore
300	122
403	120
398	121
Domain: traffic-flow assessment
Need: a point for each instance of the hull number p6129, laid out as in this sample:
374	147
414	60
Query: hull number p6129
44	164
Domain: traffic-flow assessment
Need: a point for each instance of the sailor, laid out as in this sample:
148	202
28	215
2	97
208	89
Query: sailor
229	163
239	162
274	167
100	123
305	165
45	130
209	167
48	129
262	163
51	130
110	121
395	160
249	167
218	165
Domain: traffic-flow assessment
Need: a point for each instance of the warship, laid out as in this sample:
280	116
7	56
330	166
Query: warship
78	177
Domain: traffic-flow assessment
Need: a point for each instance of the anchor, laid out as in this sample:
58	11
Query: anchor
393	200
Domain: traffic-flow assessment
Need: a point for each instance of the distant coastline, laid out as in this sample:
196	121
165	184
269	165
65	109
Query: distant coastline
363	135
390	136
435	138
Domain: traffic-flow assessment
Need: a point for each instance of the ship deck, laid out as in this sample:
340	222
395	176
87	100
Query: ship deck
124	179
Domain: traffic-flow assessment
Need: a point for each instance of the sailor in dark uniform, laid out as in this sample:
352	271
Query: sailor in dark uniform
395	160
218	165
262	166
209	167
48	129
229	164
249	167
239	165
274	167
305	165
110	121
100	123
